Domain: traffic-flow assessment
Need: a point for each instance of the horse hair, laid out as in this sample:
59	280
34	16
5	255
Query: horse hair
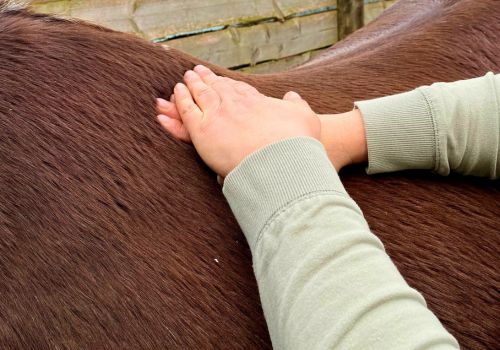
109	227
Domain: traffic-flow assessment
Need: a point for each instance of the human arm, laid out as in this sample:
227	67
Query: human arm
325	280
443	127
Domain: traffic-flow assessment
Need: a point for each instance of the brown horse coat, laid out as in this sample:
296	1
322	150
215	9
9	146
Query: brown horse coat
109	228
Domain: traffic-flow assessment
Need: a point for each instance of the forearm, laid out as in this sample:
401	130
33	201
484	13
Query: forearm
443	127
325	280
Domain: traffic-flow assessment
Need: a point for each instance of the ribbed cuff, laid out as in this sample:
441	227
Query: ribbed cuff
400	132
271	178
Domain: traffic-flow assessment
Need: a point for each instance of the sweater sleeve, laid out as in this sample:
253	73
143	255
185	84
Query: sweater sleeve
325	280
443	127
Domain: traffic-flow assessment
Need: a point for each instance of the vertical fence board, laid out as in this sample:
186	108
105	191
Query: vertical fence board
350	16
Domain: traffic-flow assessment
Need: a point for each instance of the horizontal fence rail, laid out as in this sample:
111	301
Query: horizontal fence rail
252	35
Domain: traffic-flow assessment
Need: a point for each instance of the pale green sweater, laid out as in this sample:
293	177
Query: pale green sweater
324	279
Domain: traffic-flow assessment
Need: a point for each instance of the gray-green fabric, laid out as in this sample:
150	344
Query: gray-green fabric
324	279
443	127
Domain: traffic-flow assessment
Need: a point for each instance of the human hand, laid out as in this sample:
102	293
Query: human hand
227	120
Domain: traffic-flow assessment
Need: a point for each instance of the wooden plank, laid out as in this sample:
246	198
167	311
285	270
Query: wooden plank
372	11
239	46
283	64
183	15
350	17
114	14
52	7
278	45
158	18
375	9
389	3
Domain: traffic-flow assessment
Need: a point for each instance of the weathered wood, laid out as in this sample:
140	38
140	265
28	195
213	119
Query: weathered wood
232	45
158	18
238	46
282	64
51	7
373	9
350	16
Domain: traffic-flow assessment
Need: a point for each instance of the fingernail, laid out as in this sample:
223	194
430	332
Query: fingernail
189	74
179	88
163	118
162	103
201	67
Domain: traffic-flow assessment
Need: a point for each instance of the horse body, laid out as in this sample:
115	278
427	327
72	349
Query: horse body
114	234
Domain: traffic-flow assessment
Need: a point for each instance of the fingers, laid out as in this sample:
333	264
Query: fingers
188	110
174	127
204	95
224	85
167	108
202	92
170	119
206	74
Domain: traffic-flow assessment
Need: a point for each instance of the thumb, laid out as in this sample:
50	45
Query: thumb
292	96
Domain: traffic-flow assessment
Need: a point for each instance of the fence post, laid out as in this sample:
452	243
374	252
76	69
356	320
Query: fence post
349	16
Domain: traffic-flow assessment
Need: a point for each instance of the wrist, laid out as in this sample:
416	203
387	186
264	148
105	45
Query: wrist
344	138
357	136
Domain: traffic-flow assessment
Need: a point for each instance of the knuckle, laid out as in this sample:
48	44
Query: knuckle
171	108
223	81
204	91
242	87
188	108
219	82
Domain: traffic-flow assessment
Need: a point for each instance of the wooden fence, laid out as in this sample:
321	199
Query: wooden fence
250	35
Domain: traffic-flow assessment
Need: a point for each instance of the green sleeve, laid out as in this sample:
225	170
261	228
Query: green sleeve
443	127
325	281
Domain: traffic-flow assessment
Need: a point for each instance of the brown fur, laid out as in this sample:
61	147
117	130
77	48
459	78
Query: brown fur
109	227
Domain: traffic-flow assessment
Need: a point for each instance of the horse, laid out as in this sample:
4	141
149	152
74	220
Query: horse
115	235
